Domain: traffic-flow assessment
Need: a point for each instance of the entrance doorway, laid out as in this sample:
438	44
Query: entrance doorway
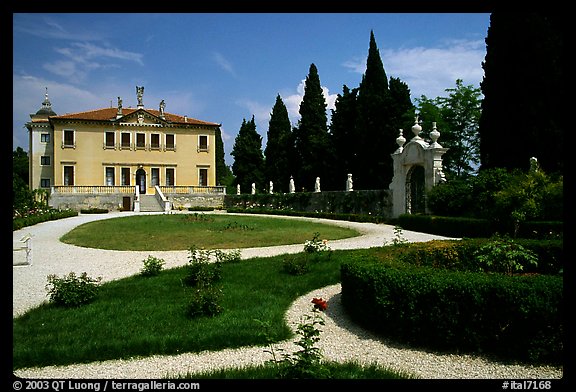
141	180
415	198
126	203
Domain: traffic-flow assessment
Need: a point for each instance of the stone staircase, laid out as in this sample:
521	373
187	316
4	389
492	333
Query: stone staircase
149	203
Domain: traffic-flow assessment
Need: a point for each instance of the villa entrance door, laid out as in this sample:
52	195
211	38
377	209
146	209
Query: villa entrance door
141	180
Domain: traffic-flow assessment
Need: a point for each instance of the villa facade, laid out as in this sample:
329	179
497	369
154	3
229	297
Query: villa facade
112	157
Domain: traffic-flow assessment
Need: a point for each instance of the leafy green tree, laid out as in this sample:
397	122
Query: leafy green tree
461	112
527	196
22	197
20	166
248	158
456	117
312	144
279	147
523	87
429	111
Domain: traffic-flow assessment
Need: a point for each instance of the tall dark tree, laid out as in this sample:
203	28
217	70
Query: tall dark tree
221	168
248	158
311	135
344	137
22	197
402	111
377	133
279	147
20	167
523	91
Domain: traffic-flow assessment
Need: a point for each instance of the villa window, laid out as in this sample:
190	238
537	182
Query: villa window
44	138
202	143
68	175
203	177
155	141
155	176
45	160
68	141
125	176
170	143
125	140
170	177
109	176
140	141
44	183
109	141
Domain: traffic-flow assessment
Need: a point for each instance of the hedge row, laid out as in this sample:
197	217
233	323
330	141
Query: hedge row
474	227
458	255
323	215
18	223
508	317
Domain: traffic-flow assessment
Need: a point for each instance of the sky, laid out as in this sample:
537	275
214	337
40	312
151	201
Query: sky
227	67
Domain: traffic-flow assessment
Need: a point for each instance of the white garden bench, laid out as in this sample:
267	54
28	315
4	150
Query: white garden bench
24	245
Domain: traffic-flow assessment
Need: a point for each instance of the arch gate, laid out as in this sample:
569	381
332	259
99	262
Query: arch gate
417	168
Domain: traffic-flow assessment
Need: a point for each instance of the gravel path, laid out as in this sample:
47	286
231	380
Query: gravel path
340	338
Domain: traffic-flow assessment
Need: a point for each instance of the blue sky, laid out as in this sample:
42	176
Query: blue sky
226	67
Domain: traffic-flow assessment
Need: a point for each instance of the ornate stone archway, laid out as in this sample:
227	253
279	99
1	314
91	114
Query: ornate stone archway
417	168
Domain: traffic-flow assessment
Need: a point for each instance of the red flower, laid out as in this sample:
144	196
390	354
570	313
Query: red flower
319	303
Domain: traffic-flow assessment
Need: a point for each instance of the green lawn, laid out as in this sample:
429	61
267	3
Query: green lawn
140	316
209	231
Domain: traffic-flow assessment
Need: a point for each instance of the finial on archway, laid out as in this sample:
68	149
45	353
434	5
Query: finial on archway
416	128
400	140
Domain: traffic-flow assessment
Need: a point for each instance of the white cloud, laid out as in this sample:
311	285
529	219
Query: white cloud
82	58
223	62
431	70
28	95
293	101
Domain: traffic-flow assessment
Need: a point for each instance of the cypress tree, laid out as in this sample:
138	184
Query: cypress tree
221	168
248	159
279	146
377	133
311	135
344	137
403	110
522	87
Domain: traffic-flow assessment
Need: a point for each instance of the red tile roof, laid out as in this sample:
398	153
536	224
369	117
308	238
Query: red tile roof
108	114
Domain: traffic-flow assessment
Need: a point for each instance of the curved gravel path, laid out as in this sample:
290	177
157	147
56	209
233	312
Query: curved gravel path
340	338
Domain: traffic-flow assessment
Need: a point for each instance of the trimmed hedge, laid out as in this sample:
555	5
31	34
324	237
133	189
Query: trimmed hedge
474	228
18	223
509	317
323	215
458	255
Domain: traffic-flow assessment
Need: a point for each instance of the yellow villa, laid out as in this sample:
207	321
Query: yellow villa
123	158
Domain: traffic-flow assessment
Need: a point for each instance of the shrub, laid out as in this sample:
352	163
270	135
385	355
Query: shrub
502	254
94	210
72	290
232	256
316	244
201	270
205	301
307	362
295	265
152	266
